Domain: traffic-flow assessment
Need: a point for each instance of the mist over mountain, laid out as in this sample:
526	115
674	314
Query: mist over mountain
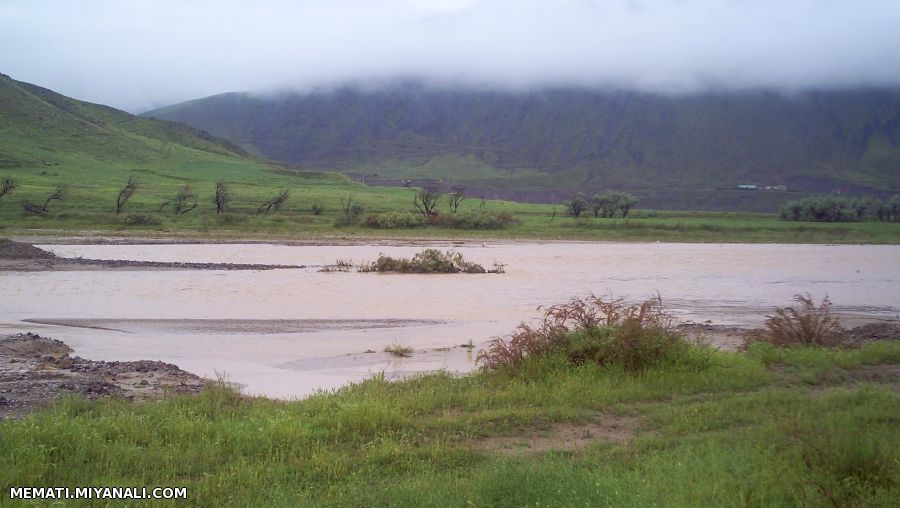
558	141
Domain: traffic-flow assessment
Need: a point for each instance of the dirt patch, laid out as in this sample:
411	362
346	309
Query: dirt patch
15	250
35	371
564	436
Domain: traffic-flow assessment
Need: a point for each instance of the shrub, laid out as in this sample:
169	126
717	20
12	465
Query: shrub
141	219
231	218
595	330
473	220
394	220
810	325
428	261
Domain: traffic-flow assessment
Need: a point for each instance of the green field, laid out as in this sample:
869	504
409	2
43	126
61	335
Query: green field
89	206
798	427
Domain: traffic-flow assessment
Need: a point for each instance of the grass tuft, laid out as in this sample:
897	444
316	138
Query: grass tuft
808	325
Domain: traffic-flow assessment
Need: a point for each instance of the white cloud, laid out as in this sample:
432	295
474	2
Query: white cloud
137	55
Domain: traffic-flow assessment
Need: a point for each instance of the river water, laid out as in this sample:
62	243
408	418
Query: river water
288	332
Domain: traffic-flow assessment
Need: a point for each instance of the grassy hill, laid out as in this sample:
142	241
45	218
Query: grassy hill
540	145
47	139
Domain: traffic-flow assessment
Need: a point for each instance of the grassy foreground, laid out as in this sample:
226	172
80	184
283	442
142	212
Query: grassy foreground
793	427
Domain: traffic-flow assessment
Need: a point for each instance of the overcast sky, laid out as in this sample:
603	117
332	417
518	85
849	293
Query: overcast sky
137	55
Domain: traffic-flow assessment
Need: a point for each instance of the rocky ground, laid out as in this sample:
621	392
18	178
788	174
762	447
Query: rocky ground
35	371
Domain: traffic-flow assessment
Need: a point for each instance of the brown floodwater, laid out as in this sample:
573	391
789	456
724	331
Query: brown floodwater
288	332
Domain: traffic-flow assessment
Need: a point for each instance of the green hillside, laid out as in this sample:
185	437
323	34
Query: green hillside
542	145
47	140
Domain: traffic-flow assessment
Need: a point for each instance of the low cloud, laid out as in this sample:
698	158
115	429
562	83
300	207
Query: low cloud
141	55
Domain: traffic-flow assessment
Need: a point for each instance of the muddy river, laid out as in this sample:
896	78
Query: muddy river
288	332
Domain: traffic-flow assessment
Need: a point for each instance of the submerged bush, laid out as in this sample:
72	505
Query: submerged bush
428	261
810	325
596	330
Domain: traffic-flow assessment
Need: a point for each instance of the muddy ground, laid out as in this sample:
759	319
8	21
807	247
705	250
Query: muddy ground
732	338
35	371
16	256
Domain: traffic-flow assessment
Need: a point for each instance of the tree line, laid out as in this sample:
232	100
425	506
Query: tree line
606	205
182	202
830	208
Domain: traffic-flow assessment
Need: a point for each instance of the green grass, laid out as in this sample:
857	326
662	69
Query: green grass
739	433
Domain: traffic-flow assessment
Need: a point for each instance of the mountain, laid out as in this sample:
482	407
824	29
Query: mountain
39	127
547	144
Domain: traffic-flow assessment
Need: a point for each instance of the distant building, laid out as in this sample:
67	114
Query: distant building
747	186
776	187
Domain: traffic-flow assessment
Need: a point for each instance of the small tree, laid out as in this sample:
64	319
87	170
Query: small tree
611	202
426	200
626	203
7	185
275	203
58	195
455	198
223	195
576	205
125	194
183	202
597	205
351	210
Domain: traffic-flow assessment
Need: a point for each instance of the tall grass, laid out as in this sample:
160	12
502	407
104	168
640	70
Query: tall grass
808	324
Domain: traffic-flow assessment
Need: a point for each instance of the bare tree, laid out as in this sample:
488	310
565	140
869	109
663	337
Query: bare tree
183	202
223	195
426	201
7	185
125	194
275	203
58	195
455	198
